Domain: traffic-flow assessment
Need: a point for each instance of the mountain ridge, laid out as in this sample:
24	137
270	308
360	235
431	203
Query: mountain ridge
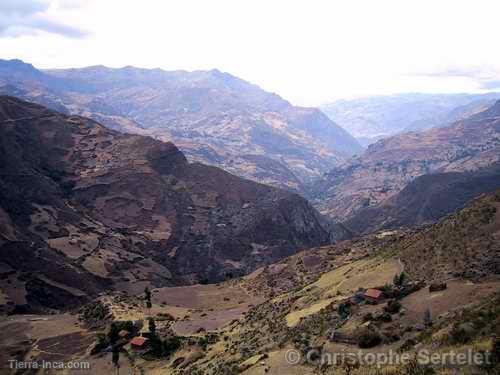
214	117
123	211
375	117
388	165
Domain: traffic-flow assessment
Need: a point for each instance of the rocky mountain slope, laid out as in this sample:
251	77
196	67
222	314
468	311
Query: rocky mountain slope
426	199
84	208
313	302
310	302
387	166
317	305
213	117
376	117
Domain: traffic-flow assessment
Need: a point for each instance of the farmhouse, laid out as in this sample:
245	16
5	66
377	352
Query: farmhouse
139	343
373	296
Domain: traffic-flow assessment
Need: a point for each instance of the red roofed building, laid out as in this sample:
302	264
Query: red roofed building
139	343
373	296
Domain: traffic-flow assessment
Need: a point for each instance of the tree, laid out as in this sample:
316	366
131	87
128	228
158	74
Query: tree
116	358
393	306
113	333
152	326
101	343
427	318
399	280
147	297
344	310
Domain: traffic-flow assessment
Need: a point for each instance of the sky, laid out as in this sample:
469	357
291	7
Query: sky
308	51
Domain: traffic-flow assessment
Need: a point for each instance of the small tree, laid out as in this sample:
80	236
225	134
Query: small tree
399	280
393	306
116	358
147	297
344	310
152	326
427	318
113	333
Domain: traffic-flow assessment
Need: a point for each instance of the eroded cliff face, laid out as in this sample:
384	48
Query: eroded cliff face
84	208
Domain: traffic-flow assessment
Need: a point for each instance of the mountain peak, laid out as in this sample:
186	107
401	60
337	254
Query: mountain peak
17	66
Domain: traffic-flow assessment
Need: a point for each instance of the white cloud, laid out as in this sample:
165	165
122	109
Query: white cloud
308	51
29	17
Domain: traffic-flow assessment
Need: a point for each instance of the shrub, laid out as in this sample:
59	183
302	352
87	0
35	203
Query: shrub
344	310
164	348
385	317
101	343
462	333
369	339
415	368
393	307
399	280
367	317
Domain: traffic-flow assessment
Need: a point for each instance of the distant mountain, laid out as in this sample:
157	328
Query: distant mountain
372	118
427	199
387	166
214	117
84	208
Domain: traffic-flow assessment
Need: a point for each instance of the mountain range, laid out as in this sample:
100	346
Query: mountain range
390	164
372	118
426	199
85	208
213	117
130	239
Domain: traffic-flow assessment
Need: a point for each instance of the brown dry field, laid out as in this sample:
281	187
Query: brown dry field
458	294
205	306
42	337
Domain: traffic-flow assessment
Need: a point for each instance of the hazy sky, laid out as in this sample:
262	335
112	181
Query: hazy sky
307	51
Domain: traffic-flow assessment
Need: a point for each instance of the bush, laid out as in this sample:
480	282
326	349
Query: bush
393	307
164	317
369	339
95	313
399	280
367	317
126	325
415	368
385	317
164	348
344	310
101	343
462	333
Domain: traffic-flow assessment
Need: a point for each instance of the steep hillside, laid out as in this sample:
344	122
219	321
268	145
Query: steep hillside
465	244
84	208
426	199
280	318
214	117
370	118
325	313
313	302
387	166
